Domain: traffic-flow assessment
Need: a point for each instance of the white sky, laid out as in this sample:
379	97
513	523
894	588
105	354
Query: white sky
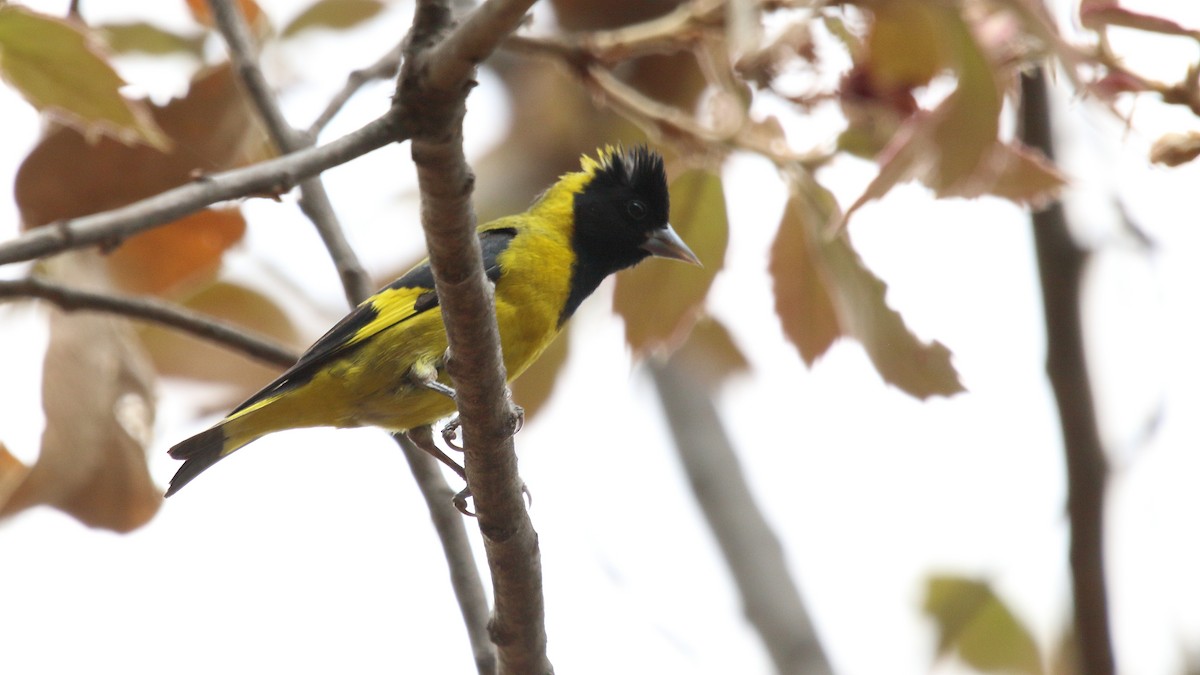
311	550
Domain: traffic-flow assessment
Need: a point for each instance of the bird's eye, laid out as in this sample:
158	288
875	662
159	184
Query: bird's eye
636	209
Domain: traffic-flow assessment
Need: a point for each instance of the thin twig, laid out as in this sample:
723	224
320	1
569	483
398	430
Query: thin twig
314	200
751	550
1061	264
156	311
464	575
384	68
274	176
431	93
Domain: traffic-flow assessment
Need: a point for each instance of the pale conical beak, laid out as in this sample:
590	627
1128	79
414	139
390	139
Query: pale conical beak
665	243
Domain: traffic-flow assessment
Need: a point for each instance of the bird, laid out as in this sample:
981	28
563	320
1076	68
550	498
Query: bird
383	365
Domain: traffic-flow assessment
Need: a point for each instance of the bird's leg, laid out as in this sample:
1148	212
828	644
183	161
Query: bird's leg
426	375
422	437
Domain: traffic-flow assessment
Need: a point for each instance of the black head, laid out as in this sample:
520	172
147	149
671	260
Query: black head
625	200
621	218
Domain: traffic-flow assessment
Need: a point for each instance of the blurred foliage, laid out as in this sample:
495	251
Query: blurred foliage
974	623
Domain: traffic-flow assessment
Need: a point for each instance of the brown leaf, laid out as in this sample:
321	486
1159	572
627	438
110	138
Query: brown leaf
12	473
60	71
659	299
952	148
181	355
177	256
906	45
854	297
98	396
709	355
802	300
211	129
250	10
333	14
1175	149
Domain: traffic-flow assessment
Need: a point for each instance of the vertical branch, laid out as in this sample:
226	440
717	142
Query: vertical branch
464	575
753	553
314	200
438	73
1061	263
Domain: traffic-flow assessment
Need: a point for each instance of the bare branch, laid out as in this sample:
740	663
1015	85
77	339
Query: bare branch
432	92
1061	264
274	176
156	311
385	67
314	200
464	575
755	557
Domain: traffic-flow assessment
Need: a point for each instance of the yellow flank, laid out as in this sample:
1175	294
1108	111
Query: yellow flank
373	384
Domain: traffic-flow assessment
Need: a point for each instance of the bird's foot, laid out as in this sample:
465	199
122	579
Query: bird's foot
422	437
450	433
460	502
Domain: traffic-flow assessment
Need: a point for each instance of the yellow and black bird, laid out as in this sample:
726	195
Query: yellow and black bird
382	365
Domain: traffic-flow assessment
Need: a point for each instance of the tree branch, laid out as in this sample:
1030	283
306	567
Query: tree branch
155	311
274	176
753	553
464	575
434	81
385	67
1061	263
314	200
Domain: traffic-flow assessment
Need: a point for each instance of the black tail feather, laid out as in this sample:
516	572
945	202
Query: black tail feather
199	452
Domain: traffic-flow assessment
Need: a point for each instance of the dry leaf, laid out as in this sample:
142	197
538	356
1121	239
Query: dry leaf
709	355
802	300
12	473
846	299
177	257
181	355
212	128
333	14
250	10
98	397
59	70
1175	149
660	300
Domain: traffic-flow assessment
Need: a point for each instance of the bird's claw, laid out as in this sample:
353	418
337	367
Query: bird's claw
518	420
460	502
450	433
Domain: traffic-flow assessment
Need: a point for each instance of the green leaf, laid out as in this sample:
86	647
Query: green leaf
58	70
823	291
661	299
145	38
975	623
334	14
